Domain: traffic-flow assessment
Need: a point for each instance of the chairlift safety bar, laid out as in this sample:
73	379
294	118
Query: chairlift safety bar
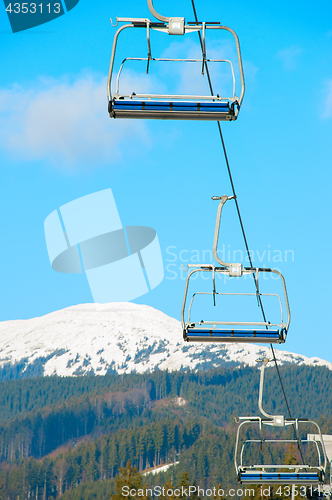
261	323
118	95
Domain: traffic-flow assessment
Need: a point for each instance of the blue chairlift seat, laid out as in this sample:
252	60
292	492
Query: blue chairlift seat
197	334
171	110
302	478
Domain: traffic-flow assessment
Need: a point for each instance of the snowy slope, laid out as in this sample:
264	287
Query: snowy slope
92	338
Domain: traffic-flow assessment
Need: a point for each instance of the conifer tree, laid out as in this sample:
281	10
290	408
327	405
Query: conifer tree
129	479
219	490
290	457
184	483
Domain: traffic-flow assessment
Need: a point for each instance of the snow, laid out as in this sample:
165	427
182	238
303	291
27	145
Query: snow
92	338
161	468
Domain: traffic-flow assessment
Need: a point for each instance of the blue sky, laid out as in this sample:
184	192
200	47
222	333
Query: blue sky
57	144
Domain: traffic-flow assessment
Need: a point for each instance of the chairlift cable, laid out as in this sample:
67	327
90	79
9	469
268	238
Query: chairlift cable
241	223
228	168
281	383
224	147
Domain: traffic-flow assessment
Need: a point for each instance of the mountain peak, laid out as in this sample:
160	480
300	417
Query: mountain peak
121	336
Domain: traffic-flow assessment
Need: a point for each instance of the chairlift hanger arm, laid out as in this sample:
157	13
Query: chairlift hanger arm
155	13
223	200
261	387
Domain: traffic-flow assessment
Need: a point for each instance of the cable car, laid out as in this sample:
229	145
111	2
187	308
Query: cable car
223	330
260	443
277	472
173	107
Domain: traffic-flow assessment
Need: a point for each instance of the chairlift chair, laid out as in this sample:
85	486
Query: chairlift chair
303	474
173	107
240	331
323	491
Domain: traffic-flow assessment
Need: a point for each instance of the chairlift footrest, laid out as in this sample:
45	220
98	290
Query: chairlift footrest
214	335
122	108
302	478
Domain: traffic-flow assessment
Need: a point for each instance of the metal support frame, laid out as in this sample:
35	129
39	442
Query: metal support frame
172	25
303	474
209	330
261	336
278	473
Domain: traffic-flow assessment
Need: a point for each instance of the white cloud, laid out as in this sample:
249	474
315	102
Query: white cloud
64	122
327	113
289	57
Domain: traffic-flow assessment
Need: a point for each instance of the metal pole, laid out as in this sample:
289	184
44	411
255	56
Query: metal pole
261	384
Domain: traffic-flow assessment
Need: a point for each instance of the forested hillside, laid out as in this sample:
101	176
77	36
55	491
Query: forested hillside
59	434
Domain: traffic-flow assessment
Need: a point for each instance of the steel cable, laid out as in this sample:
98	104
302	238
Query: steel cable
242	227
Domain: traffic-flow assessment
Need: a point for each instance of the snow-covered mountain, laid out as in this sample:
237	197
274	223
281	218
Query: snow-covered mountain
93	338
